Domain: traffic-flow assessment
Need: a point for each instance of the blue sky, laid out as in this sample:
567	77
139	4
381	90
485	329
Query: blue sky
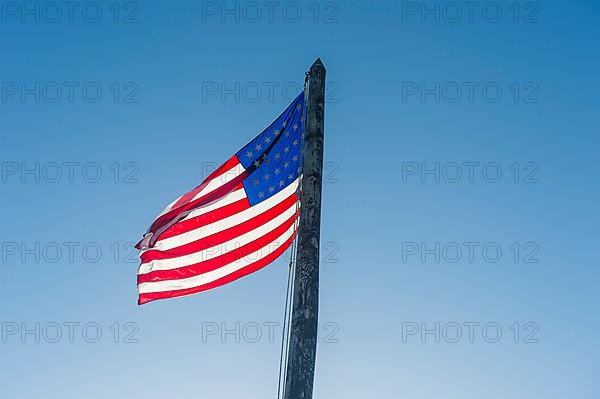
105	118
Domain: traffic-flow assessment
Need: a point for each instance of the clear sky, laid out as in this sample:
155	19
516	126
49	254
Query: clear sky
460	195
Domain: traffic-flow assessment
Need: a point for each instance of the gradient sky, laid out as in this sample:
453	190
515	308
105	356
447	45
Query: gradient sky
163	127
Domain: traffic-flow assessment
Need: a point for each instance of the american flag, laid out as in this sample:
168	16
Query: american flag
241	218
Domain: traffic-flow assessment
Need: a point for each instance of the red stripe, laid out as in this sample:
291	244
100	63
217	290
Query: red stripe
187	225
184	209
231	163
153	296
219	261
222	236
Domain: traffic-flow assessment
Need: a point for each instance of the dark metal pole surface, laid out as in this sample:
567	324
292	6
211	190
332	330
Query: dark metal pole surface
304	322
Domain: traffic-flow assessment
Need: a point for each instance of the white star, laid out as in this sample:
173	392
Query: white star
261	194
257	163
277	156
256	182
295	126
281	183
258	147
285	165
284	123
295	158
267	139
276	133
271	189
286	149
277	171
295	142
266	176
290	177
249	154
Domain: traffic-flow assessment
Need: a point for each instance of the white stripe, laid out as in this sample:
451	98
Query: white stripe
226	200
228	222
215	183
221	180
220	249
205	278
229	199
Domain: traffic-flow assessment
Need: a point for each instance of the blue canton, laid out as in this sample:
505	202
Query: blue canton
274	158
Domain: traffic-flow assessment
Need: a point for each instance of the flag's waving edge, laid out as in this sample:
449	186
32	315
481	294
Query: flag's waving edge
241	218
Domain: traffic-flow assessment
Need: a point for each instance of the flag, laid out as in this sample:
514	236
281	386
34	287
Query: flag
241	218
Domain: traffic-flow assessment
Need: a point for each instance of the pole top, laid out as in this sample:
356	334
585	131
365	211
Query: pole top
318	64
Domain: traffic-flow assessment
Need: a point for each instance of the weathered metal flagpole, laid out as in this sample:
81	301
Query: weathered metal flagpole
305	308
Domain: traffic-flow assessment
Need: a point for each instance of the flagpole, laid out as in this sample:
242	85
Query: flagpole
305	308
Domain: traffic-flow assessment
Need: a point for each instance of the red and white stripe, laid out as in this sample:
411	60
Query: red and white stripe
212	236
